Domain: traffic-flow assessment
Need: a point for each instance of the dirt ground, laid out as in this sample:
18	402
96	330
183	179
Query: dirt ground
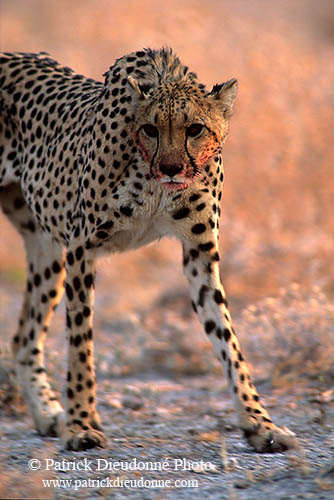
161	393
186	423
163	400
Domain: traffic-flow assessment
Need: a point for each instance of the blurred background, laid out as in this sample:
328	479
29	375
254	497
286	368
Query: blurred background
277	221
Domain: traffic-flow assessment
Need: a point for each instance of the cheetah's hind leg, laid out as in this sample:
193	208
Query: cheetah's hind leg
44	289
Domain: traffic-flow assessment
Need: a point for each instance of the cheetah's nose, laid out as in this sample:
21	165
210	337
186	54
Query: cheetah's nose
170	169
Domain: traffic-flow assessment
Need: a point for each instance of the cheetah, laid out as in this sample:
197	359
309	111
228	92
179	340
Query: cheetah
90	168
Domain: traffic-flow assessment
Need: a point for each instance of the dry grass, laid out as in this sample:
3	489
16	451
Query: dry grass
289	336
293	333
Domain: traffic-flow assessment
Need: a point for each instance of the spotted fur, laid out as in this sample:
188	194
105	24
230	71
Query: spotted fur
90	168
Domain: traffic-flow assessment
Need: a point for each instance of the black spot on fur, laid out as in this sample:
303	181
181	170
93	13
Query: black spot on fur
127	211
205	247
88	280
227	334
106	226
218	297
198	228
204	289
56	267
78	319
209	326
182	213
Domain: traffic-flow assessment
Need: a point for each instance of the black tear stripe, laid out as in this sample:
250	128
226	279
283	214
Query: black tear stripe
191	159
153	157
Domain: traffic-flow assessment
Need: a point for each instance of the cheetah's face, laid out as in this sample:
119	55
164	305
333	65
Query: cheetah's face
179	128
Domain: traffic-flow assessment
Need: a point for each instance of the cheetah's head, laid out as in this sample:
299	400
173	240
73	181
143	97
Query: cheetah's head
179	127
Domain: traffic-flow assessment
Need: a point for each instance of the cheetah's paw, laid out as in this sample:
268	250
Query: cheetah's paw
51	422
276	439
83	439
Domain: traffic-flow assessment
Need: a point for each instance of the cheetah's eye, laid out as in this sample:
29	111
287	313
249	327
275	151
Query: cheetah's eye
195	130
151	130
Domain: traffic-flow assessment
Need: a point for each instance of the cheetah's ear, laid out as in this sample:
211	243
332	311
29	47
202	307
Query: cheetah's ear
142	90
224	95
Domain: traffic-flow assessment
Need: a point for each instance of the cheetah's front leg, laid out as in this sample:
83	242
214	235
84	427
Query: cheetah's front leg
208	298
82	420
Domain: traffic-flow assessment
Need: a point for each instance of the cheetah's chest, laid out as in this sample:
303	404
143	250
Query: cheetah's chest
140	232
